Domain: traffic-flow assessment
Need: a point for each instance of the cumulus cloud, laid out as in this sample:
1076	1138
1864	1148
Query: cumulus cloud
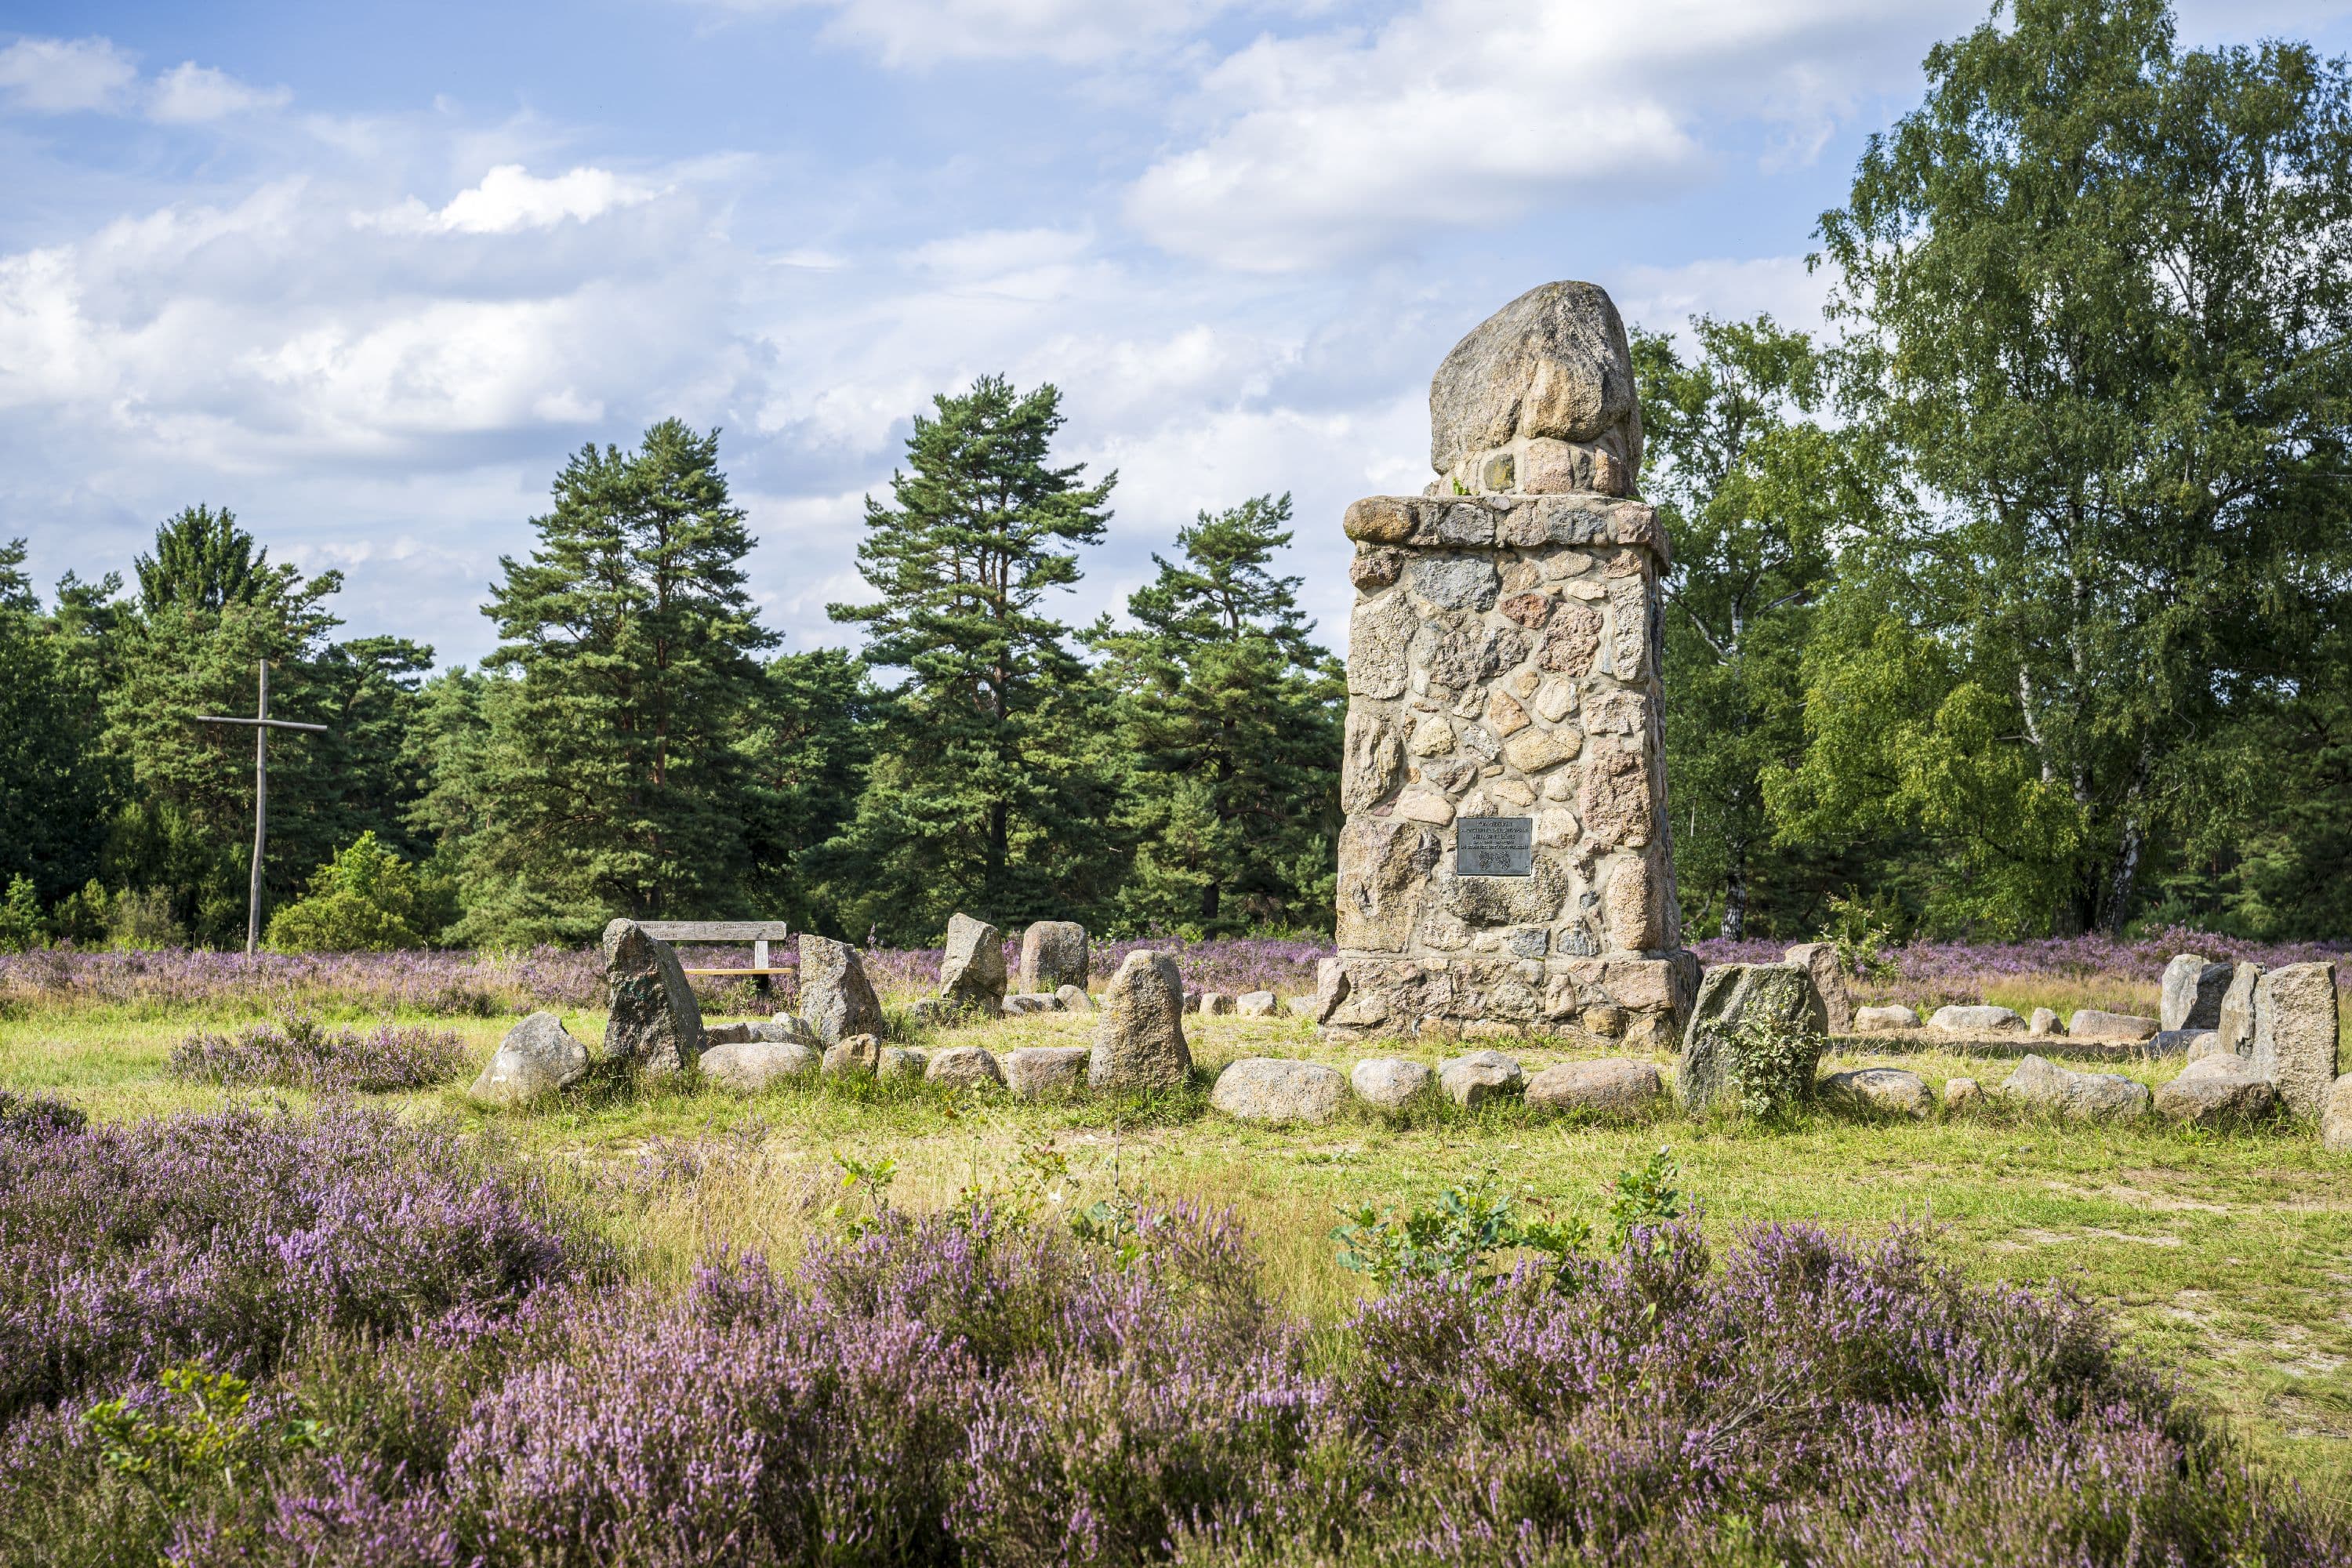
61	76
1664	299
510	198
189	94
1468	115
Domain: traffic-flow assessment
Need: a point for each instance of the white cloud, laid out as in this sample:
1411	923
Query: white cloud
1469	114
60	76
1664	299
922	33
190	94
510	199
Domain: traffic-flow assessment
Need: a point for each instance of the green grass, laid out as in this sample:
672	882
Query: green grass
2228	1257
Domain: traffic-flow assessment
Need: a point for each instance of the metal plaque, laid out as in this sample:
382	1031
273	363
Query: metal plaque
1494	847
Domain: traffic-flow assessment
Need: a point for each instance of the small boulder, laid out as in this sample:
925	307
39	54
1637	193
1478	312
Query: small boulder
836	999
2044	1021
2192	993
2186	1043
1299	1006
901	1061
747	1067
854	1056
1820	960
1882	1092
1388	1082
1215	1004
2216	1090
972	975
2335	1118
1874	1020
1264	1088
1617	1086
1054	955
1330	988
1032	1002
1255	1005
963	1067
1074	999
654	1025
1472	1080
1140	1033
1976	1020
2077	1096
1043	1072
1959	1093
537	1058
2091	1024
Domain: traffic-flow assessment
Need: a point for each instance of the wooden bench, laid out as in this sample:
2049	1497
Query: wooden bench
759	934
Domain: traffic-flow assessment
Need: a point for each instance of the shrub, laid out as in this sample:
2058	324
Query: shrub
225	1236
21	926
31	1118
298	1052
365	900
1769	1064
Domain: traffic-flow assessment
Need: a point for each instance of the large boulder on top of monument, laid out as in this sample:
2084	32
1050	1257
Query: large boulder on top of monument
537	1058
1140	1032
1264	1089
1731	995
1054	955
1553	363
655	1025
1820	960
836	999
2192	993
2294	1033
972	975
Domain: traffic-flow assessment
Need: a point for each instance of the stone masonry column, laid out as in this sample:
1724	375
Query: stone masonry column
1505	867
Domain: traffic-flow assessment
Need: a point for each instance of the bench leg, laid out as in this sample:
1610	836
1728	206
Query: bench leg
760	961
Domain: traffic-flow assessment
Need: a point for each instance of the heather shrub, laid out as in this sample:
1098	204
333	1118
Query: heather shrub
221	1237
31	1118
299	1052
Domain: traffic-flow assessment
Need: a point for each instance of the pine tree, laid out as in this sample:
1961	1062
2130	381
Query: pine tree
1230	720
977	797
55	787
606	779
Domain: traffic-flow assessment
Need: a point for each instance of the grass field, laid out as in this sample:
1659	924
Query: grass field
2226	1256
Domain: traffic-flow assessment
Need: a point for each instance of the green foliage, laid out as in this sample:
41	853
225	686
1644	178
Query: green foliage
1769	1066
1229	728
21	926
1473	1225
597	771
203	1431
986	790
2101	290
366	899
55	783
865	1203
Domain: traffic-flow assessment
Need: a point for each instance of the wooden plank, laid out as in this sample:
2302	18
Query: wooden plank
739	972
716	930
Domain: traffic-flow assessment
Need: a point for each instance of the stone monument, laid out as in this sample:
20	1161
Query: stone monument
1504	864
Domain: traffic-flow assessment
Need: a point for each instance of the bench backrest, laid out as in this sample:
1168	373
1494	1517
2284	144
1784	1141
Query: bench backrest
715	931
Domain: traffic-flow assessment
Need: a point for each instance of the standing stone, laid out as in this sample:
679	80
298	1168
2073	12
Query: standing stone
2335	1118
2235	1020
837	1000
1820	960
2294	1033
2193	990
655	1025
972	975
1140	1034
1731	994
537	1058
1054	955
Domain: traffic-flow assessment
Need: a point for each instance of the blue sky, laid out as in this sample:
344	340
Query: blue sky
367	275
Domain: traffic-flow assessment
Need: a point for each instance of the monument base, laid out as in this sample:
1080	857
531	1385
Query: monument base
1637	1000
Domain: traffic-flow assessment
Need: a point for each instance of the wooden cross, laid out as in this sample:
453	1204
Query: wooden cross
262	725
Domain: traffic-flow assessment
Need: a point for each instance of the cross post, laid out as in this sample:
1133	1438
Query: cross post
262	725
